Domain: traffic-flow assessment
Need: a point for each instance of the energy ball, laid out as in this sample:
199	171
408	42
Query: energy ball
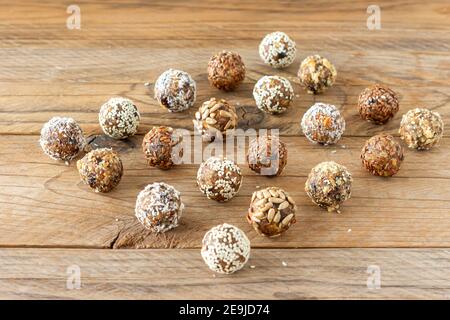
316	74
175	90
226	70
273	94
421	129
271	212
219	179
378	104
160	146
277	50
267	155
214	118
101	169
119	118
159	207
323	124
382	155
62	139
329	185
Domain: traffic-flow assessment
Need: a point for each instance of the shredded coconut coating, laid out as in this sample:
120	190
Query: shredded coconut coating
273	94
175	90
323	124
119	118
225	249
316	74
226	70
382	155
158	147
277	50
267	155
378	104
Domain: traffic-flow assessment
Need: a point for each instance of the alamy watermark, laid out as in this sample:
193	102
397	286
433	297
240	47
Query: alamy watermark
74	20
374	278
374	20
73	277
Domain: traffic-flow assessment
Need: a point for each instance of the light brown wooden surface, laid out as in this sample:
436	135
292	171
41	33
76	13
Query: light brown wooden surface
48	70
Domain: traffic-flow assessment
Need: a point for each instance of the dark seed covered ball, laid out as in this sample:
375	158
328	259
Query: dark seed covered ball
378	104
316	74
160	146
382	155
267	155
226	70
175	90
273	94
119	118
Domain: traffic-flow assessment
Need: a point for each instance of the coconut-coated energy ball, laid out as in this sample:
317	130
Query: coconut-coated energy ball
421	128
277	50
160	145
323	124
175	90
378	104
101	169
226	70
316	74
267	155
273	94
119	118
382	155
62	139
159	207
225	249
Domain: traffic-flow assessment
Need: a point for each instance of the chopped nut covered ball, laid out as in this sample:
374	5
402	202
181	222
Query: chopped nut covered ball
329	185
382	155
421	129
271	212
277	50
323	124
267	155
378	104
316	74
225	249
119	118
219	179
226	70
101	169
273	94
62	139
159	207
160	147
175	90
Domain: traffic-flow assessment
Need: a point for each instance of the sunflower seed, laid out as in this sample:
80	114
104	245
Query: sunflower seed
215	107
228	125
281	195
290	200
266	207
275	200
271	214
205	114
260	202
284	205
255	219
212	115
266	194
259	195
226	114
287	219
259	215
277	217
211	121
273	193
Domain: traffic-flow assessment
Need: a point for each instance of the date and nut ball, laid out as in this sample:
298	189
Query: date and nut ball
214	118
267	155
62	139
119	118
226	70
323	124
316	74
328	185
160	145
277	50
378	104
225	249
273	94
159	207
271	212
101	169
382	155
175	90
219	179
421	128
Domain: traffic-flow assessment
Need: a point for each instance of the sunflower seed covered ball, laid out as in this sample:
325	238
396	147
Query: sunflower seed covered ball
226	70
119	118
225	249
160	145
175	90
267	155
273	94
382	155
316	74
277	50
378	104
323	124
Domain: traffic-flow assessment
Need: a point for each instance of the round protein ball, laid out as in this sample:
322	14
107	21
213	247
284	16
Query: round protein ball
160	145
214	118
277	50
271	212
382	155
175	90
225	249
316	74
101	169
421	129
219	179
226	70
159	207
329	185
62	139
378	104
119	118
273	94
323	124
267	155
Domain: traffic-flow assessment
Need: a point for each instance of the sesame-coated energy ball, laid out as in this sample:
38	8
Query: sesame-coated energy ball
101	169
421	128
378	104
316	74
267	155
226	70
175	90
62	139
382	155
225	249
323	124
119	118
277	50
160	145
273	94
159	207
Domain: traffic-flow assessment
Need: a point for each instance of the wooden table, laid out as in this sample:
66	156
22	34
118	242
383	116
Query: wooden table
50	223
